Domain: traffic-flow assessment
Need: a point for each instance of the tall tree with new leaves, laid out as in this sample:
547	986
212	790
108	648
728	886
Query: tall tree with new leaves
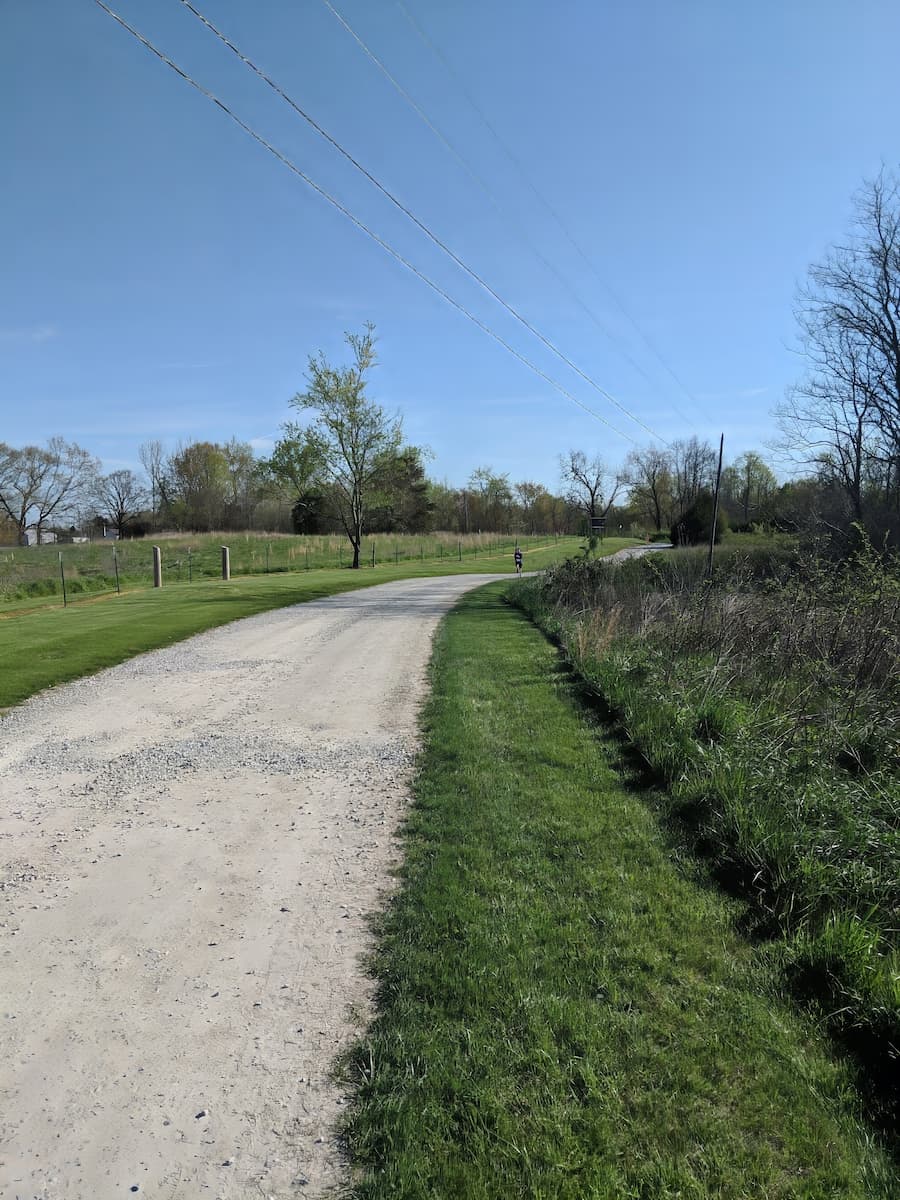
354	435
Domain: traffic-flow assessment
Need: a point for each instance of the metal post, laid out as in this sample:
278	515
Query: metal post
190	565
116	569
226	563
157	567
459	548
62	575
373	552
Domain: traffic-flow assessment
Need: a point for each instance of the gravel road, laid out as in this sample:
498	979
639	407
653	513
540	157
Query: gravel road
190	844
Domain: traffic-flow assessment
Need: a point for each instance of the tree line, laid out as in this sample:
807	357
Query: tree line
343	464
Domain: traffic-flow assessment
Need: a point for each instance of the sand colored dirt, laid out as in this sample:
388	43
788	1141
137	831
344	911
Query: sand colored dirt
191	843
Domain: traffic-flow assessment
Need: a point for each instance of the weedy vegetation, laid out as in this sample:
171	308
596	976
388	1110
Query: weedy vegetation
765	700
561	1012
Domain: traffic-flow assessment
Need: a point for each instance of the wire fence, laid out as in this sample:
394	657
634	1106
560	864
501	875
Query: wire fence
73	572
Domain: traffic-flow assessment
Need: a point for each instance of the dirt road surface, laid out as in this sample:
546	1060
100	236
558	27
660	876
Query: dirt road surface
190	845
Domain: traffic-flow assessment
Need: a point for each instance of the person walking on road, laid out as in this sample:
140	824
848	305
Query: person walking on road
518	557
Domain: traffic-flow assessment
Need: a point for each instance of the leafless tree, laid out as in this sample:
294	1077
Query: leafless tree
152	458
590	486
38	483
120	497
693	466
845	415
649	476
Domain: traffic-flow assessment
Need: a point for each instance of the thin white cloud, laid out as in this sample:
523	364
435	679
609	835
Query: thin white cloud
748	393
28	335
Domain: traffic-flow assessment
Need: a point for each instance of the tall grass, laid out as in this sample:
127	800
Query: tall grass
767	701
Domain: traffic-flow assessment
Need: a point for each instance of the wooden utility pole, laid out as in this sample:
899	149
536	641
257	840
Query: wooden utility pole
715	515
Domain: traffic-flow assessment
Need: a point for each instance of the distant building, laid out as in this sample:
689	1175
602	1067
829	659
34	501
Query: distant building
35	537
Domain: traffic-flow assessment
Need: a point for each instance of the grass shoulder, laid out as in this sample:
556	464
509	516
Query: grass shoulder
560	1012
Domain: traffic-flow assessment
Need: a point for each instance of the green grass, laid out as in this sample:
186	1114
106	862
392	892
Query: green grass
561	1014
47	645
33	575
767	705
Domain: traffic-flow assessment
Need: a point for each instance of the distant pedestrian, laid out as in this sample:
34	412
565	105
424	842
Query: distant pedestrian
518	557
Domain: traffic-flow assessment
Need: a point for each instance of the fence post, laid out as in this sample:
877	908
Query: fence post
157	567
116	568
190	565
226	563
267	558
373	552
62	575
459	548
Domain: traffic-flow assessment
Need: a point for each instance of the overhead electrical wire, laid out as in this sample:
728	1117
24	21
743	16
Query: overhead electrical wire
479	180
523	174
420	225
335	203
505	215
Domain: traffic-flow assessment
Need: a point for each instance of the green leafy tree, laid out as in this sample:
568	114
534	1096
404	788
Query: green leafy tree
196	486
747	487
488	500
403	503
693	526
355	437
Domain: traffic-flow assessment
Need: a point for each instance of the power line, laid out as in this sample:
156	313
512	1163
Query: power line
420	225
282	158
523	174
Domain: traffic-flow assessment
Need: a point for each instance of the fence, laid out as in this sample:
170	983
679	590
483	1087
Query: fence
76	572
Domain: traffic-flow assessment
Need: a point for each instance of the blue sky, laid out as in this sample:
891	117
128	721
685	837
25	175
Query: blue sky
164	277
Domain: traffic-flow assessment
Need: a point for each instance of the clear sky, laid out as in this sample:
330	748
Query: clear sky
163	276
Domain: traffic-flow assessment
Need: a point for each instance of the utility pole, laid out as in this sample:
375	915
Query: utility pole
715	514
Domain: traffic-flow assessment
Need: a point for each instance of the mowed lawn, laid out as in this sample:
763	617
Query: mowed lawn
563	1014
47	645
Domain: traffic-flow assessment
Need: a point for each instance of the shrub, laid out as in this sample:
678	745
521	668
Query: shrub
694	525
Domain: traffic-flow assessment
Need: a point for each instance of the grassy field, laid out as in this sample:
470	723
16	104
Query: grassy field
767	704
47	644
33	574
561	1013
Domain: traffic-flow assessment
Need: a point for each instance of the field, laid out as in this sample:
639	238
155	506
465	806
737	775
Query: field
42	643
35	573
766	703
